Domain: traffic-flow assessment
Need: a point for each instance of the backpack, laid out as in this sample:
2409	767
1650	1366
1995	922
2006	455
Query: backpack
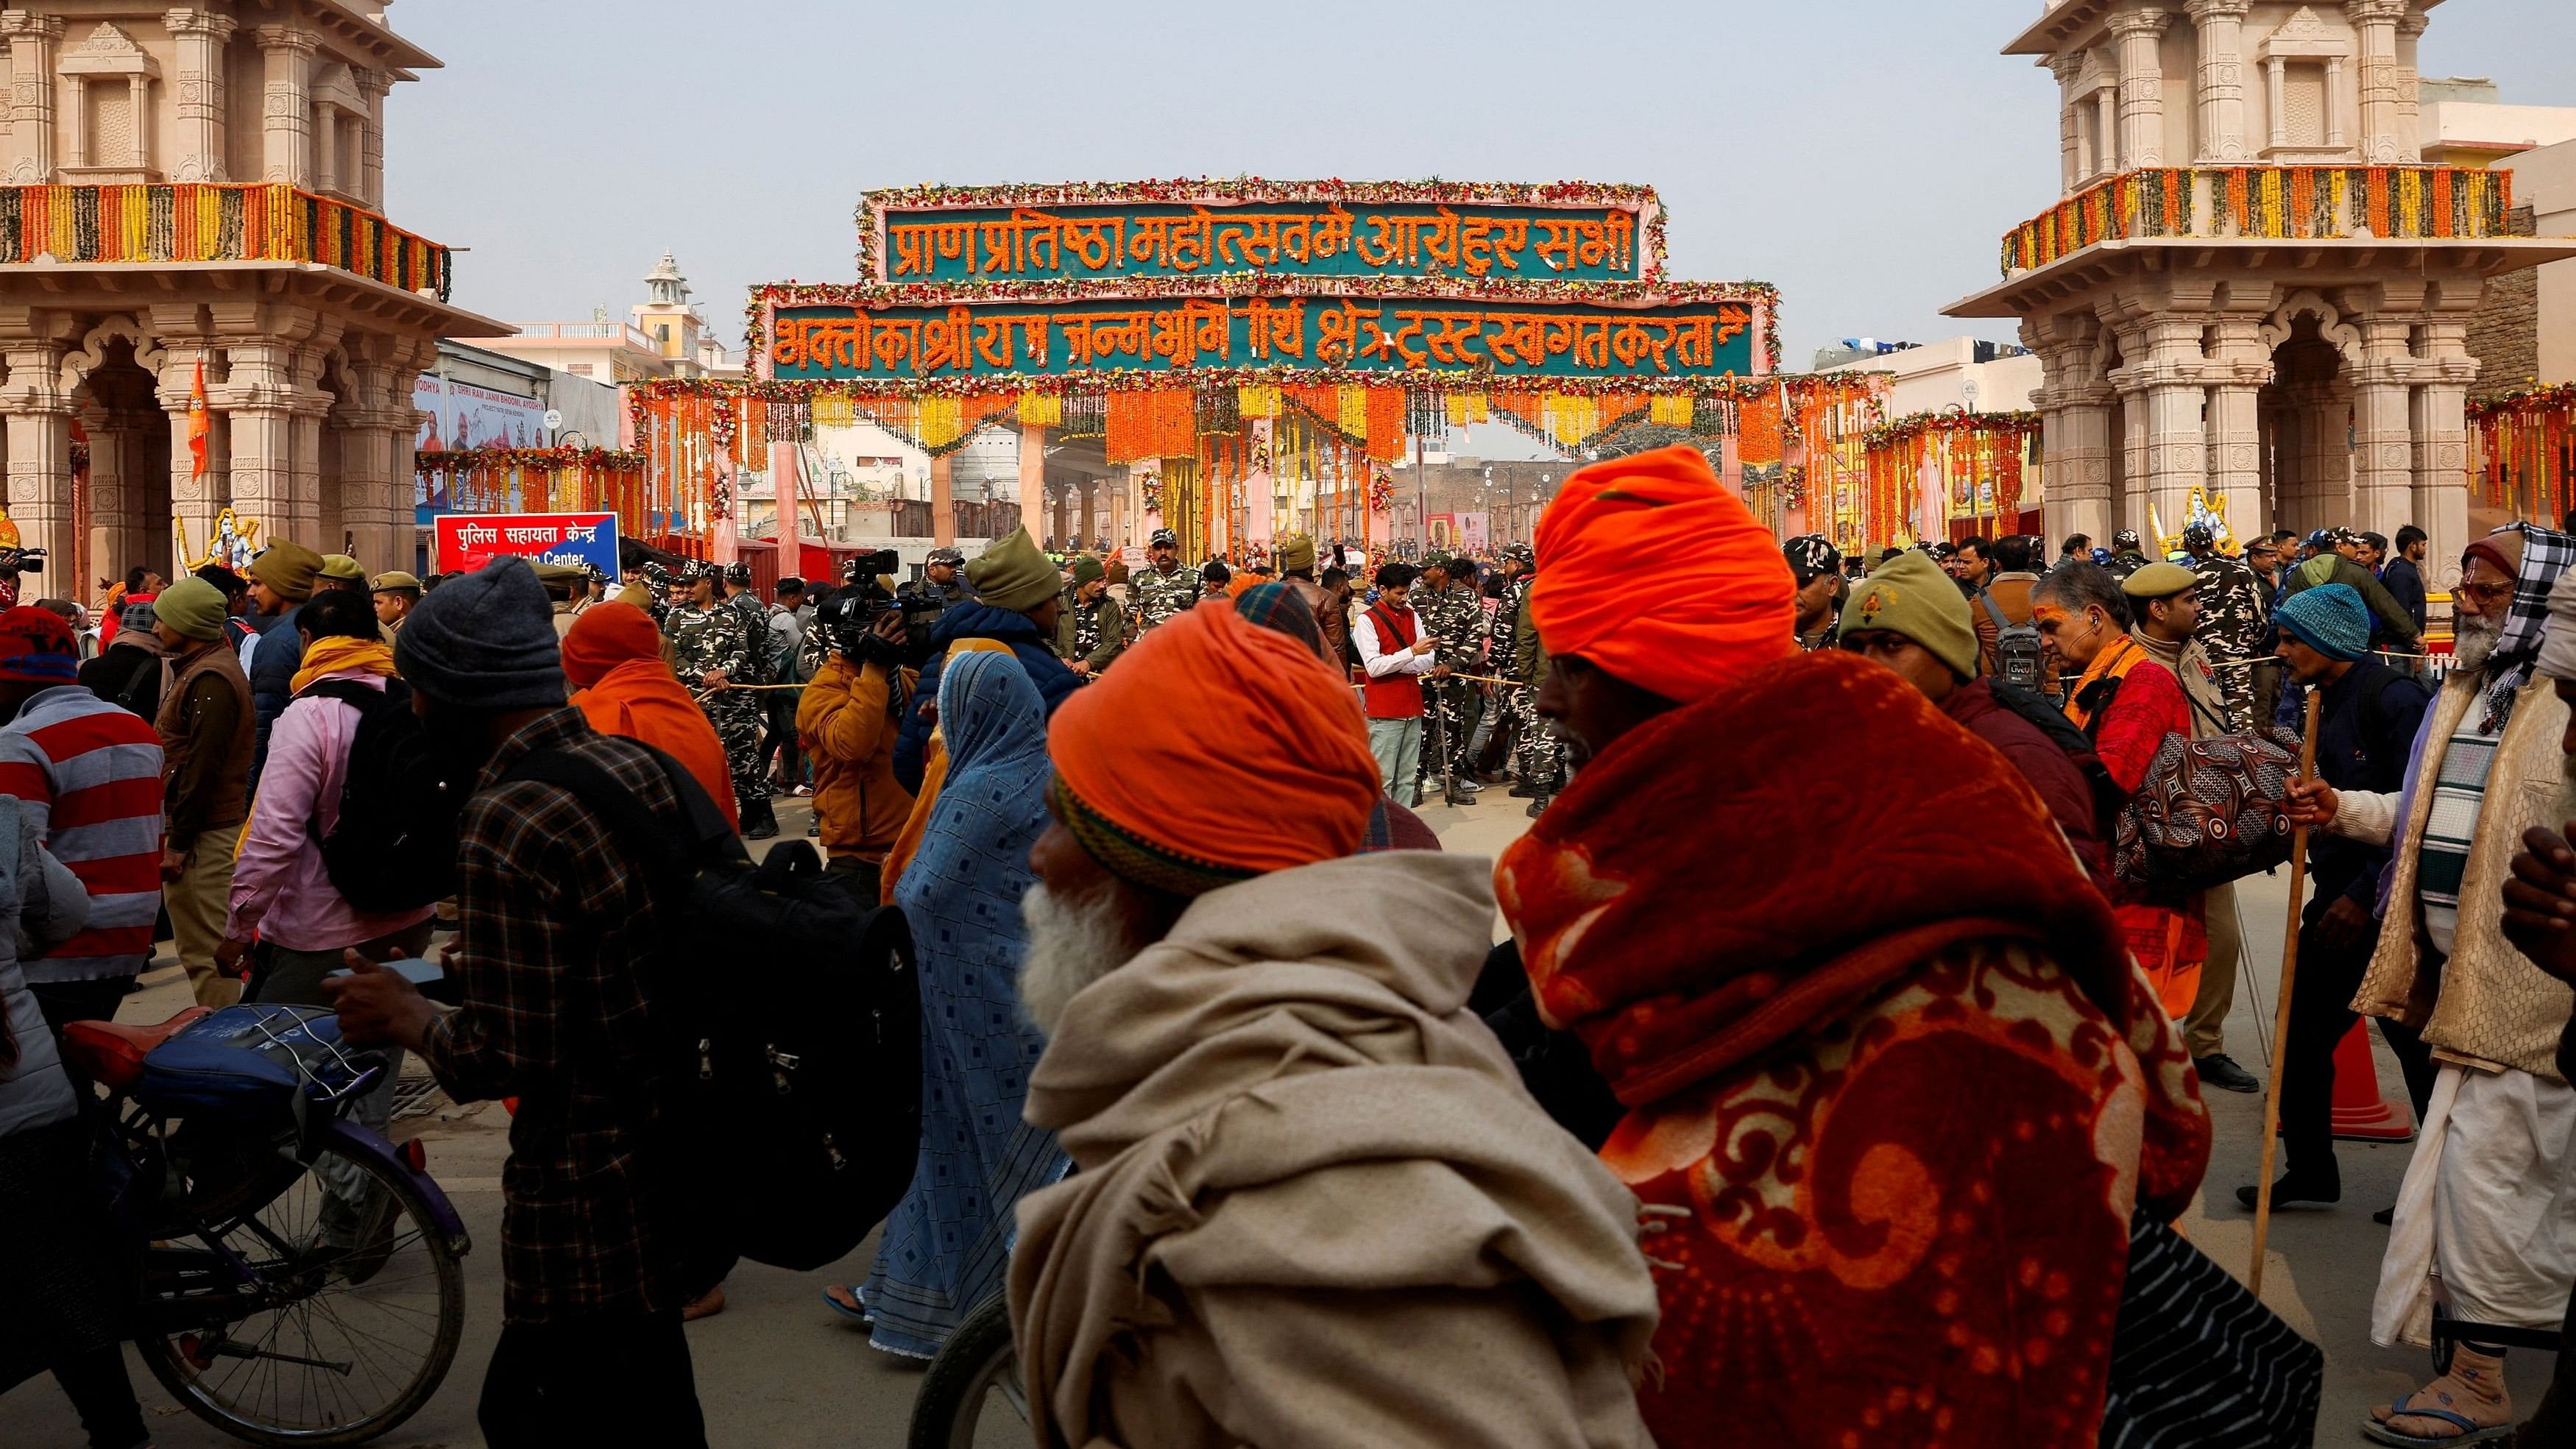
2207	812
787	1028
2018	655
394	845
2108	798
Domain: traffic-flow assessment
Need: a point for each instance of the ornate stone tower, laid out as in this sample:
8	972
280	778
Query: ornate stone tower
202	187
2251	289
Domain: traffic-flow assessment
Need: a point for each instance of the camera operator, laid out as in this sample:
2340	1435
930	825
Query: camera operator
850	714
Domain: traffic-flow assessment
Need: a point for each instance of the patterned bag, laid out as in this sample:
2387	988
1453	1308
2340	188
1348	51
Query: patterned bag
2207	812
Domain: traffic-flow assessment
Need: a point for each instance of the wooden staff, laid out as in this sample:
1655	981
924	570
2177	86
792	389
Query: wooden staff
2281	1005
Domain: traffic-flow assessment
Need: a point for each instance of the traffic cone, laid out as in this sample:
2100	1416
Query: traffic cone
2360	1114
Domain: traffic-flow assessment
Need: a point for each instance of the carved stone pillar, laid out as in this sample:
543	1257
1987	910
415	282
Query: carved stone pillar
2410	114
2237	374
2383	450
197	142
38	413
286	104
372	84
262	397
2106	131
2221	25
2142	87
195	499
2441	436
2375	21
33	42
2177	426
2276	98
2070	159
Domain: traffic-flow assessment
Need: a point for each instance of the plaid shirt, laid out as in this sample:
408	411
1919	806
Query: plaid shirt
553	920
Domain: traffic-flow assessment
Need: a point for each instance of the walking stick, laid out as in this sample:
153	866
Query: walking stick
2281	1006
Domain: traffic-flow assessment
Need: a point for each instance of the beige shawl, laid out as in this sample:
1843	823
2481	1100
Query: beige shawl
1314	1205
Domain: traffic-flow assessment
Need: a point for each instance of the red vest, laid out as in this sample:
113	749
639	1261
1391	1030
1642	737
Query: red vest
1392	696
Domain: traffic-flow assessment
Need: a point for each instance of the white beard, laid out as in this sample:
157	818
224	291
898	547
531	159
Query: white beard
2474	640
1072	943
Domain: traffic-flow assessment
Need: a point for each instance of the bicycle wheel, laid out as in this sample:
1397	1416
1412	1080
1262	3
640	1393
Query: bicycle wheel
354	1312
971	1396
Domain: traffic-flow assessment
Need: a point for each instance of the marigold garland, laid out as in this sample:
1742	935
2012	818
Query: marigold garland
2274	202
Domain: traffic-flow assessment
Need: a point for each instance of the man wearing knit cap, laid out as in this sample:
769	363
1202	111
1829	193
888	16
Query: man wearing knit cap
2484	1208
1092	631
1332	612
549	966
1930	964
2166	602
1018	601
132	669
1909	617
208	730
2365	736
281	579
340	571
1247	1032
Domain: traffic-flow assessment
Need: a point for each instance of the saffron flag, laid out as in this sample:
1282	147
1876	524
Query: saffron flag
197	423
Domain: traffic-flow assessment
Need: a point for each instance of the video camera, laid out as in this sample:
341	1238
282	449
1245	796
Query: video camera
21	560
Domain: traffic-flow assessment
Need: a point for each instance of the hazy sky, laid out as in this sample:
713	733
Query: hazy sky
1865	156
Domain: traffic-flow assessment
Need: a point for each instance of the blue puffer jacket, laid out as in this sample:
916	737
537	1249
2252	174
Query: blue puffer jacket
1055	681
274	660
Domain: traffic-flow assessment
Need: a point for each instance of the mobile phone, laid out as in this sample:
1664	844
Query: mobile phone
418	972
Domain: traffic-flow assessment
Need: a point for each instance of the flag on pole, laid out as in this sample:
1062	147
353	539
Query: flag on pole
198	423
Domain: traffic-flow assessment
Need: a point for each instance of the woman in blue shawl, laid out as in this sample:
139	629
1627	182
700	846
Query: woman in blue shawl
948	1242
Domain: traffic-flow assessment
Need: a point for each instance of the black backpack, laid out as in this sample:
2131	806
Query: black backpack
394	846
2018	654
797	1110
2108	798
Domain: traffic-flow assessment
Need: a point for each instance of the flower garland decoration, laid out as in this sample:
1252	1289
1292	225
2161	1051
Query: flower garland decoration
2522	451
463	460
2272	202
1381	494
1150	489
216	222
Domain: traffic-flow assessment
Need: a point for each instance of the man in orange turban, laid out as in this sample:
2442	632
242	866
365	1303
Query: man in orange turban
1250	1028
613	657
1937	1026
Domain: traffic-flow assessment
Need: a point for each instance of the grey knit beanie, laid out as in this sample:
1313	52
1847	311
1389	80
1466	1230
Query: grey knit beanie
485	639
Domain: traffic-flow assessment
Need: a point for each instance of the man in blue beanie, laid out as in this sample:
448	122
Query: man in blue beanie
2364	739
549	963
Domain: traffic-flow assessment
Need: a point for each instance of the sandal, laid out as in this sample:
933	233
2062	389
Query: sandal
2471	1431
855	1315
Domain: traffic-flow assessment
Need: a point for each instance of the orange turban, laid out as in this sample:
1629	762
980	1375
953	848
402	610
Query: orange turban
1216	751
1653	570
606	635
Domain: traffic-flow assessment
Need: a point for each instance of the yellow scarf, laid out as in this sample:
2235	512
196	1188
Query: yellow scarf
339	654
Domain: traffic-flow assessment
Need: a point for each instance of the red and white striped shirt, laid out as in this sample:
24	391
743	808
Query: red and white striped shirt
90	774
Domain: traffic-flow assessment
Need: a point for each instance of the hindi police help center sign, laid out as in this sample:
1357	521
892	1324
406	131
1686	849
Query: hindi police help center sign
466	542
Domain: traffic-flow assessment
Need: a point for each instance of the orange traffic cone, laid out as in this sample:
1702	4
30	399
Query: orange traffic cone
2360	1113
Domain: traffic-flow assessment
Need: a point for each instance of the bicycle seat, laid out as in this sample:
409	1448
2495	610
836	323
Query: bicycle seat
112	1052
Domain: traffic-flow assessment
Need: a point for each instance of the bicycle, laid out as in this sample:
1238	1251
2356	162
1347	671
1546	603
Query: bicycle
978	1365
297	1276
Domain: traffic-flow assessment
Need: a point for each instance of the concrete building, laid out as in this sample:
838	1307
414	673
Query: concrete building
1959	373
2295	347
2466	123
666	337
225	162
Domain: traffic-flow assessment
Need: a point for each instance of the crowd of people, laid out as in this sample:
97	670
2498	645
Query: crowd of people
1835	1080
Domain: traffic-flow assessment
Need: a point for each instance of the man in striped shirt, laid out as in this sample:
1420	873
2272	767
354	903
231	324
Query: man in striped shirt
90	776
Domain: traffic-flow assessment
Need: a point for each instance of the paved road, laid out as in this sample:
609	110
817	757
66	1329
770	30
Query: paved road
778	1369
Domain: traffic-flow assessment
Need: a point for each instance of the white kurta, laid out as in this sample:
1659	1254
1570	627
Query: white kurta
2486	1221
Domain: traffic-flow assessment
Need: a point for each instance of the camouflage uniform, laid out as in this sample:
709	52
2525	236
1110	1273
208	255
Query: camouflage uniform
1155	596
2232	620
1541	757
723	640
1456	617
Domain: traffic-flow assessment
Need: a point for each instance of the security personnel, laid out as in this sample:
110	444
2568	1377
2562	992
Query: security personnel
1540	757
1451	612
1164	589
2128	555
2232	621
942	571
713	646
1091	632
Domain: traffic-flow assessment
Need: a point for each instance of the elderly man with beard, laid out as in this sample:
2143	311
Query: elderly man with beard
1936	1028
2484	1207
1314	1204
